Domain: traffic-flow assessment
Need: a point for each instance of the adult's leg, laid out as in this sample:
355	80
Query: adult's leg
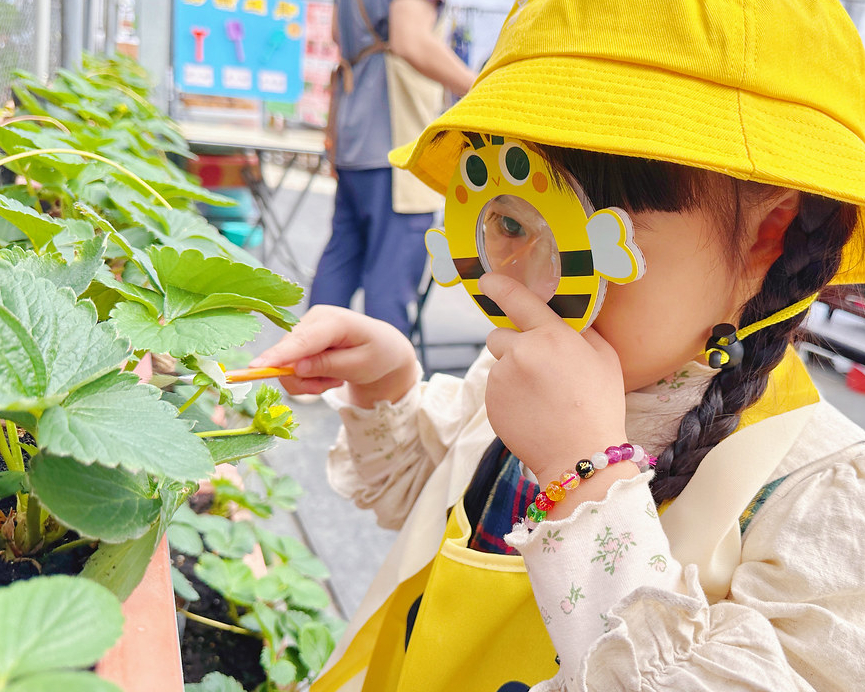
339	270
395	257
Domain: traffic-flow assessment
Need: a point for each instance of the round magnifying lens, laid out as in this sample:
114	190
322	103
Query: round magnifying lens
514	239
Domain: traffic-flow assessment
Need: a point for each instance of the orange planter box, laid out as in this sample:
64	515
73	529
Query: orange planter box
147	657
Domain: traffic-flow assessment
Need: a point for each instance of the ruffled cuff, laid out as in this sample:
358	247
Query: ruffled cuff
377	459
581	566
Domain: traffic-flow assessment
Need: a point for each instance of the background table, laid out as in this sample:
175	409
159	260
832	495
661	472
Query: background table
291	147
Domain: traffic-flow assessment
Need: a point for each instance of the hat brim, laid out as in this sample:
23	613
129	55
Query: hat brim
635	110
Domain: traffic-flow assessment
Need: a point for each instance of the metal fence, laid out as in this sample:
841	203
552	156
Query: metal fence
29	39
41	35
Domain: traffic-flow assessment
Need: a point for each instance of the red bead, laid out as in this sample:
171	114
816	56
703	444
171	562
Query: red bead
627	451
544	503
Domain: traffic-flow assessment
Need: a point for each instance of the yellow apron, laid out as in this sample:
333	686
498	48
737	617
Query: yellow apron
478	626
463	636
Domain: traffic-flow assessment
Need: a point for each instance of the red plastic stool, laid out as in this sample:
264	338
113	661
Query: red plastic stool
856	379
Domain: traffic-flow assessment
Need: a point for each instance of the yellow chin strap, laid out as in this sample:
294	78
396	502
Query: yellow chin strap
724	348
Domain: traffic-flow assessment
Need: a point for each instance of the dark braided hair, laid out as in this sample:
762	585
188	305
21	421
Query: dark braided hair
810	257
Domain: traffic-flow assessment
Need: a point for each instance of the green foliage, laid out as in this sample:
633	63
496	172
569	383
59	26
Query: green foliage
103	257
74	622
285	607
93	425
203	303
214	682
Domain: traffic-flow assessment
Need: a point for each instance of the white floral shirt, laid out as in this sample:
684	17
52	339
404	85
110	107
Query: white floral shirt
621	610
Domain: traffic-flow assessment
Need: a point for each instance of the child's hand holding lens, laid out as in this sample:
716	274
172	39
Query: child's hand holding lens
555	396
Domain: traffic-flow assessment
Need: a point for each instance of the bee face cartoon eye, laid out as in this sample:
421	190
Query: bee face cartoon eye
514	163
474	171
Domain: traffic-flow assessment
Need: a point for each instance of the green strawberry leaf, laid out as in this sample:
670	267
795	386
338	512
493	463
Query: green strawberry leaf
68	681
204	333
23	372
185	230
58	345
93	426
185	539
316	644
62	623
112	505
11	482
237	447
214	682
232	578
119	567
76	275
282	672
39	228
182	586
194	273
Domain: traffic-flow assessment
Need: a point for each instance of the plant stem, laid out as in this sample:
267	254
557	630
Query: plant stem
16	460
36	118
71	545
227	433
216	623
191	400
34	522
87	155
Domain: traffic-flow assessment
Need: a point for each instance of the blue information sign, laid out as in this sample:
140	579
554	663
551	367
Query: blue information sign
244	48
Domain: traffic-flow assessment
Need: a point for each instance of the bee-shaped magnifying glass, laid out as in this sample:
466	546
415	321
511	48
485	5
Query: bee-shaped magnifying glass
504	214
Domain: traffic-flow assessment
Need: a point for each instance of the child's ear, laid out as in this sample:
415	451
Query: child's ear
769	237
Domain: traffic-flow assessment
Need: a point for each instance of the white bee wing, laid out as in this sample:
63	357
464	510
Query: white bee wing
615	254
444	270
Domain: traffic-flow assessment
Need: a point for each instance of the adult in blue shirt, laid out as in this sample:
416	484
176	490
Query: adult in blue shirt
372	246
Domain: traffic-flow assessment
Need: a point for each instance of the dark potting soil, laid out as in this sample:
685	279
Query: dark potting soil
204	649
66	562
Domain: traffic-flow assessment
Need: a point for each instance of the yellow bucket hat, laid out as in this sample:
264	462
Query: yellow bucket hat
765	90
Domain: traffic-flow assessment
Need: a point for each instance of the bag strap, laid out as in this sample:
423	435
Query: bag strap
369	27
344	68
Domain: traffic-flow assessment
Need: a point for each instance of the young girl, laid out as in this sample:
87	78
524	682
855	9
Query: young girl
541	543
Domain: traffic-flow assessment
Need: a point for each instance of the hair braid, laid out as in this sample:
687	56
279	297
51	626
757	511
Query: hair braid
811	256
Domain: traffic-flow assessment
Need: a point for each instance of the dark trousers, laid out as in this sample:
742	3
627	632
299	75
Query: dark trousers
373	248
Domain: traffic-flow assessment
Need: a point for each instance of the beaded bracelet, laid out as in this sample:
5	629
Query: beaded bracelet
585	468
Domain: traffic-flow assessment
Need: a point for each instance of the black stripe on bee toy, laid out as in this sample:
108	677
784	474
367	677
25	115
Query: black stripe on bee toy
577	263
469	268
489	306
570	306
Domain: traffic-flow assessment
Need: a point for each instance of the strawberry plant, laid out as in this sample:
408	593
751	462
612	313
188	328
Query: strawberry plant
279	606
104	258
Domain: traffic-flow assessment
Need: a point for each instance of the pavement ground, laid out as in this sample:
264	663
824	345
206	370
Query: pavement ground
346	538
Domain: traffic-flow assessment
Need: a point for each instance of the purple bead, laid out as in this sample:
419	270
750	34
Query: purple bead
627	451
639	454
614	454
